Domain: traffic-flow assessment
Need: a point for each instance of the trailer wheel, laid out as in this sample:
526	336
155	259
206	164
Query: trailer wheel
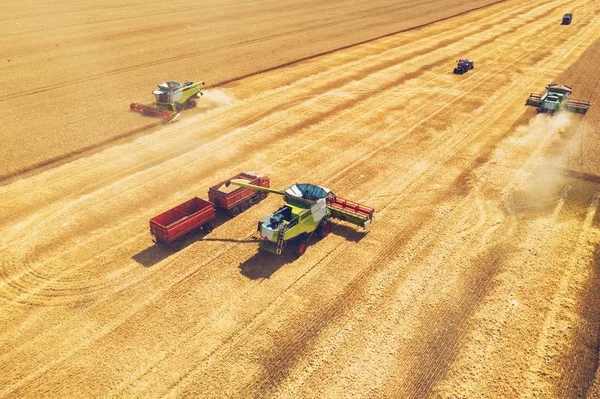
262	195
235	211
244	207
324	229
208	227
301	248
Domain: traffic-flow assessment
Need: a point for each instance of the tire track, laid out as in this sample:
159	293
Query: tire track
316	119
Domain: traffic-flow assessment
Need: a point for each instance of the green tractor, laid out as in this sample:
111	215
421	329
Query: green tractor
307	212
171	98
555	99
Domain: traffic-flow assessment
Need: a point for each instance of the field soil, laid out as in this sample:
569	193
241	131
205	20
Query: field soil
74	68
477	279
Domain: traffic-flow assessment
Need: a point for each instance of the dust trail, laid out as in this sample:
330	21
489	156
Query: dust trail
544	141
217	98
547	180
541	126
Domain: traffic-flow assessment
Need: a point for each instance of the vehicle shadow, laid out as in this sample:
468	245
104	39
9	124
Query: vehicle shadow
263	263
350	233
154	254
158	252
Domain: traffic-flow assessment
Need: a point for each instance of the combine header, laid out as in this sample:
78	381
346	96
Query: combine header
555	99
171	98
307	211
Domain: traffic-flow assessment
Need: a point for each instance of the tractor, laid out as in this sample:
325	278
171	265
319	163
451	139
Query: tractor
307	212
171	98
567	18
555	99
463	65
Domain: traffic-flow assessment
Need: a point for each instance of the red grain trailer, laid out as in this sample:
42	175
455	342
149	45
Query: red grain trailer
235	199
184	218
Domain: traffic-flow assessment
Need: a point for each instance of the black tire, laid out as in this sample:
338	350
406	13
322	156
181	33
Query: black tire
176	245
324	229
208	227
234	211
191	104
244	207
301	248
262	195
178	107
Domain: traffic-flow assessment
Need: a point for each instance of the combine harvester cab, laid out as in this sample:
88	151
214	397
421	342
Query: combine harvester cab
555	99
307	212
171	98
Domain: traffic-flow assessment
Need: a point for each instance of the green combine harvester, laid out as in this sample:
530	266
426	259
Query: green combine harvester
555	99
307	212
171	98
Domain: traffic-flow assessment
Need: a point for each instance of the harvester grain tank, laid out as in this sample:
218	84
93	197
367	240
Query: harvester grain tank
171	98
307	212
556	98
463	65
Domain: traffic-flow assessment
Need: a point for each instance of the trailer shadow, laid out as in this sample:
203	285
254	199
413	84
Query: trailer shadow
152	255
157	253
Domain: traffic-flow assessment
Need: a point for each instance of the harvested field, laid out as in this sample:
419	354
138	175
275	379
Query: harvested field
75	69
478	278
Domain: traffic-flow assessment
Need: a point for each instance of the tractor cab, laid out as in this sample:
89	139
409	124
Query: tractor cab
463	65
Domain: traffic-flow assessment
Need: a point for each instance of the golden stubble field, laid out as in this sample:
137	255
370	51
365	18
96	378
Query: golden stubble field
478	279
72	69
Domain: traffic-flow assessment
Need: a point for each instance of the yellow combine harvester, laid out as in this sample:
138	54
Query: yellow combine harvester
171	98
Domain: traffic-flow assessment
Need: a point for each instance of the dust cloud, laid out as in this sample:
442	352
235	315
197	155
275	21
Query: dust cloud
543	127
217	98
547	180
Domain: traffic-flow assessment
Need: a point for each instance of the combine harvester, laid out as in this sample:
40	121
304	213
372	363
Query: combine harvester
307	212
171	98
555	99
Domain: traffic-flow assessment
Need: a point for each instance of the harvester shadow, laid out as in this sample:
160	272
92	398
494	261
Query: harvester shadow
263	264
